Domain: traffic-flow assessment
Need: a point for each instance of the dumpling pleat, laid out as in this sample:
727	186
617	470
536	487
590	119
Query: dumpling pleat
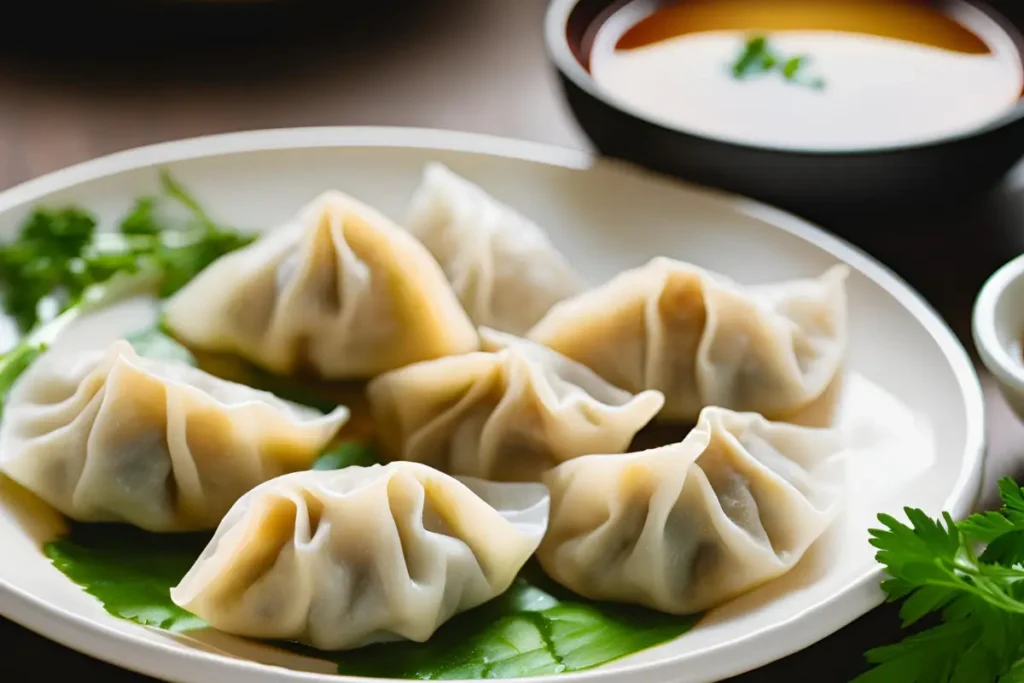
508	413
398	551
688	526
161	446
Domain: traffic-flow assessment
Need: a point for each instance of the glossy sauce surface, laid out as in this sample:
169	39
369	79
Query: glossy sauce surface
892	72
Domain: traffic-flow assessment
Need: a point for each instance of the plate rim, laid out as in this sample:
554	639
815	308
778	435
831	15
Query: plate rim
764	646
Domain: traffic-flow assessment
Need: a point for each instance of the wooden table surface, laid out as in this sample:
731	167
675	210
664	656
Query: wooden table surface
475	65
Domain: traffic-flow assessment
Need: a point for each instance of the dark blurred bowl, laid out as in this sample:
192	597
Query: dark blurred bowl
817	184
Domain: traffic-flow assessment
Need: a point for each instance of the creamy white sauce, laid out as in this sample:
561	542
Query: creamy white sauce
878	91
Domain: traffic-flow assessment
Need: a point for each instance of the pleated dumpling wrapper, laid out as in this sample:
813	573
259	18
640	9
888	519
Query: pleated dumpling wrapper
508	413
108	436
686	527
504	268
703	340
340	559
339	290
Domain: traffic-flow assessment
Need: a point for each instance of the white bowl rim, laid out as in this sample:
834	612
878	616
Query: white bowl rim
168	662
994	354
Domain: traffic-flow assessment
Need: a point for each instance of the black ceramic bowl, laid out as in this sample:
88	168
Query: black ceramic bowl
816	183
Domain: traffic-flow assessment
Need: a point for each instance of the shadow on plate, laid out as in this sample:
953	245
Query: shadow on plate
814	566
219	643
36	518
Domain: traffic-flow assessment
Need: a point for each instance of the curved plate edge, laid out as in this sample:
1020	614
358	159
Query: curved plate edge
831	615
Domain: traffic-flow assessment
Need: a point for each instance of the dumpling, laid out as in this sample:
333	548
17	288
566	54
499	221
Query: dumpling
339	290
360	555
686	527
703	340
504	269
108	436
509	413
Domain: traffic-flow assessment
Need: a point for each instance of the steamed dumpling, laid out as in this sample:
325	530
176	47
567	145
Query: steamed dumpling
703	340
509	413
345	558
686	527
504	269
339	290
108	436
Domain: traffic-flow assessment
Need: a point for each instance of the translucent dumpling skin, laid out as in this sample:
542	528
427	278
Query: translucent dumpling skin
359	555
504	268
686	527
508	413
111	437
702	340
339	290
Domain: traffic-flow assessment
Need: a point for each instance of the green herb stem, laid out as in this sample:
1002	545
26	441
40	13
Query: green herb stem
934	568
758	58
61	266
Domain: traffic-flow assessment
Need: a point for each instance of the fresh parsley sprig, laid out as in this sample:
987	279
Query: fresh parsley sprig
62	266
935	568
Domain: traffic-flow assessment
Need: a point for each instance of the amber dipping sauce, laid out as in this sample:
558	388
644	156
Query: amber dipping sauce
892	72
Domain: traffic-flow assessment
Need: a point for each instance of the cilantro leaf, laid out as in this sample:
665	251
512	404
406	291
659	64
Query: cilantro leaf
59	253
61	266
934	568
792	66
16	361
142	219
176	191
985	527
182	262
755	59
64	231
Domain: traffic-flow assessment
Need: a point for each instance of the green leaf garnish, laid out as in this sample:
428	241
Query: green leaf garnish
61	266
935	569
130	571
60	253
175	190
534	628
792	67
755	59
14	362
759	58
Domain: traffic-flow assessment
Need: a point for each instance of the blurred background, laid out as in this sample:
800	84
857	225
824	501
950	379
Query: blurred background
122	77
101	77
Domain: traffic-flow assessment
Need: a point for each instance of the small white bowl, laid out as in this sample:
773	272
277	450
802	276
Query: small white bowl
998	327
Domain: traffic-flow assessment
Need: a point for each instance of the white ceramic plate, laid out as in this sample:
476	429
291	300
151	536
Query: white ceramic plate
606	217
